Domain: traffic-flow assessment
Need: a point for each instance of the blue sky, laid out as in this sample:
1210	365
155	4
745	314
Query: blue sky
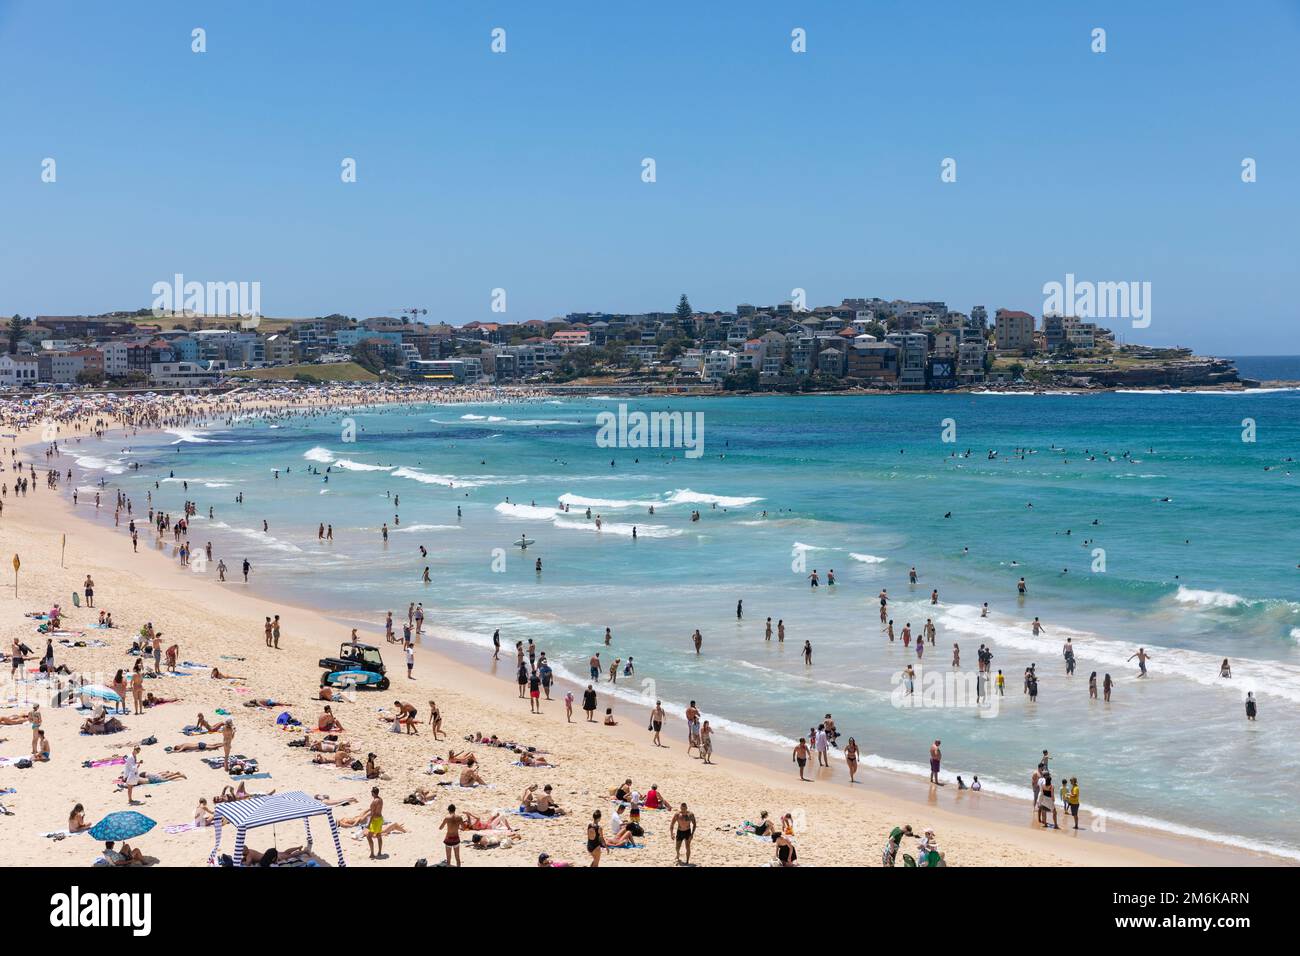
775	170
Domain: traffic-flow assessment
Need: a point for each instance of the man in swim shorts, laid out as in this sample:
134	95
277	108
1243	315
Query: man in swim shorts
683	829
375	823
452	823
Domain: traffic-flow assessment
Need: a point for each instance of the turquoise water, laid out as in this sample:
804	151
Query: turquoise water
861	485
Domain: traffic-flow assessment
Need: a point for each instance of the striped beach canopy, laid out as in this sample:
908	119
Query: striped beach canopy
275	808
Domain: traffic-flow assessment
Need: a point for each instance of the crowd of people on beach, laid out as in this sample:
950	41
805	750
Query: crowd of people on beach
535	676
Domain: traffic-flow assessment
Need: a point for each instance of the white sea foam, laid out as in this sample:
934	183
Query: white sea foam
528	512
349	465
1208	598
1261	676
93	463
483	418
866	558
684	496
411	529
319	454
610	527
452	481
190	435
578	501
259	537
800	546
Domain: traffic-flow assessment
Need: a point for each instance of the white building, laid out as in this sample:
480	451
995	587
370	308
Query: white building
17	370
186	374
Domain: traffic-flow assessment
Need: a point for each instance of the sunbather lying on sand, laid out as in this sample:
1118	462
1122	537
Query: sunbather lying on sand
495	822
272	856
187	748
230	794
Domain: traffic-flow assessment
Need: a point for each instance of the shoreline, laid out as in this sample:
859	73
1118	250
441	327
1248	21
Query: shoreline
749	765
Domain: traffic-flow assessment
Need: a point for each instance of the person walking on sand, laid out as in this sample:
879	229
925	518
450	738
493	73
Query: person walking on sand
682	828
266	632
373	821
1142	658
568	707
657	722
275	632
706	742
800	756
821	743
89	588
589	703
936	756
692	728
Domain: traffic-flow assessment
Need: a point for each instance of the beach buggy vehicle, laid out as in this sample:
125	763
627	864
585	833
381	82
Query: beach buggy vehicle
358	665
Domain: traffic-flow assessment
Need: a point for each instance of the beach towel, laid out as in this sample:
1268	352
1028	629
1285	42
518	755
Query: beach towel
8	790
549	766
192	664
182	828
531	814
625	846
109	762
457	786
58	834
354	776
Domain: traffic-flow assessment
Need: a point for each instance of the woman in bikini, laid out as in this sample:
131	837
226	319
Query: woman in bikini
851	758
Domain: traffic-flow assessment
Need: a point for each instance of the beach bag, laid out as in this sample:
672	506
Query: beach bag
908	861
76	599
358	765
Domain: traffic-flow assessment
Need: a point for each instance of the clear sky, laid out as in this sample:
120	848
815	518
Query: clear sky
775	170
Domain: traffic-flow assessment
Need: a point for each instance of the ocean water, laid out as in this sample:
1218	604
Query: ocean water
1266	368
1154	522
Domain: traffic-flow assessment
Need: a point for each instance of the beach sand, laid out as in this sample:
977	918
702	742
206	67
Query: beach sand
211	622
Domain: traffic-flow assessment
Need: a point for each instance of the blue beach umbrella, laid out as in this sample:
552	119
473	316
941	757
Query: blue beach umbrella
123	825
96	690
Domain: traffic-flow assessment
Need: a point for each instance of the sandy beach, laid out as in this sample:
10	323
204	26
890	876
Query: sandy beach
221	625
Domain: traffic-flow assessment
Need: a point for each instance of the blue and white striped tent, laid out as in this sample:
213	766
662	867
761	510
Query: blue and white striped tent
252	812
